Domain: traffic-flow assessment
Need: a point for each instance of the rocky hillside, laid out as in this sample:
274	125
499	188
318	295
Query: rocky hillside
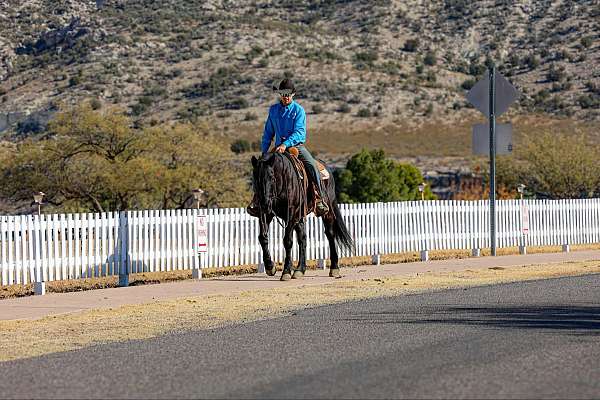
397	68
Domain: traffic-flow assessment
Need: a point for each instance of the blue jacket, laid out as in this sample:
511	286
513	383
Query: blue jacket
287	124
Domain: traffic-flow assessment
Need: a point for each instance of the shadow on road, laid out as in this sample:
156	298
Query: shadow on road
577	319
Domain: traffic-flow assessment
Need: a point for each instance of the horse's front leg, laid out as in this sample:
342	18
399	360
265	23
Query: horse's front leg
301	238
288	242
263	239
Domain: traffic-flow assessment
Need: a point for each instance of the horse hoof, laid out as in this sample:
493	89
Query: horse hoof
335	273
298	274
286	277
271	272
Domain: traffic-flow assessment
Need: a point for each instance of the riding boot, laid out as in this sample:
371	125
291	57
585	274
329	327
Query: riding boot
310	164
321	207
253	208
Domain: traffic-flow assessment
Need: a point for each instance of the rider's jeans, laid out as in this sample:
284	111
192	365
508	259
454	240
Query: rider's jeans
311	165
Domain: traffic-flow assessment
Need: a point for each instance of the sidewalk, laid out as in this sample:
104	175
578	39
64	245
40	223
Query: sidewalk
35	307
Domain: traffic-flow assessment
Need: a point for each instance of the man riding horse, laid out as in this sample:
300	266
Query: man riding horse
286	123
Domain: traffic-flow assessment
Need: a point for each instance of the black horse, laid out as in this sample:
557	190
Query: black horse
282	193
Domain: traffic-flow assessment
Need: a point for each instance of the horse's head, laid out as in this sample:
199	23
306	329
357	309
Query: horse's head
263	179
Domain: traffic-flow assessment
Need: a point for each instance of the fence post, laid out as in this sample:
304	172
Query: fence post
39	287
320	263
124	253
476	252
566	248
261	268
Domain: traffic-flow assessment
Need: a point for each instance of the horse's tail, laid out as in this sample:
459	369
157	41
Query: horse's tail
342	236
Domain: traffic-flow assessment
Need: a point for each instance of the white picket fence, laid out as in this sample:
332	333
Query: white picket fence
76	246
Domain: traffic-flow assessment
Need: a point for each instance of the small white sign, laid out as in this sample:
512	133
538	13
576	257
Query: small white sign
202	232
525	219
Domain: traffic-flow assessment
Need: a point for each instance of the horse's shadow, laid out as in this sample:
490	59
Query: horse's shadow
578	320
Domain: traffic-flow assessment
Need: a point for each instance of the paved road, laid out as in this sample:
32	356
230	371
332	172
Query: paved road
536	339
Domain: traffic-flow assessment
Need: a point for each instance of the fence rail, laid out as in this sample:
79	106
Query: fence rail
75	246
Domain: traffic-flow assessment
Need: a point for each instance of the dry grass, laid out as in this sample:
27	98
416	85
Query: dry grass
26	338
147	278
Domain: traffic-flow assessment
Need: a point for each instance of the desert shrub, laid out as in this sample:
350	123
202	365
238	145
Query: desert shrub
589	101
468	84
317	109
95	104
429	109
431	77
476	69
29	126
556	74
366	56
411	45
254	52
250	116
240	146
430	58
363	113
531	61
74	80
593	87
586	42
222	80
344	108
138	109
365	59
237	104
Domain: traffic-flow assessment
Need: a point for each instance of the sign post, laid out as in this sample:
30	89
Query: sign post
492	95
492	119
201	226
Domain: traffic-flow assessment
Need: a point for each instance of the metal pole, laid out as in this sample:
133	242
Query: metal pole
492	119
39	209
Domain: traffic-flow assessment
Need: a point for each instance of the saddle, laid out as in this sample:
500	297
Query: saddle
321	166
312	193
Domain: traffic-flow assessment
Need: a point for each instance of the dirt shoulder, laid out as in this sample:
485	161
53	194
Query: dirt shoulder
30	338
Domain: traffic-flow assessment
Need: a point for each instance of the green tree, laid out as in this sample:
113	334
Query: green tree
95	161
553	165
371	177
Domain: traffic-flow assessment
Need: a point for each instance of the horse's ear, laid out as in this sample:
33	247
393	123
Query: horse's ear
254	161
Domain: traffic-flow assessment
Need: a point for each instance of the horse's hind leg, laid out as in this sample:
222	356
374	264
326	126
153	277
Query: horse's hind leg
288	242
334	269
301	237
